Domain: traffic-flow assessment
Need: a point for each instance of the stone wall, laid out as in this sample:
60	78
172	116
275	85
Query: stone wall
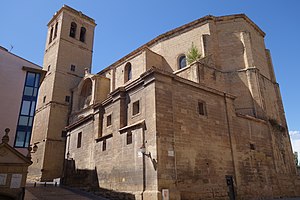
118	164
190	162
174	46
138	66
196	152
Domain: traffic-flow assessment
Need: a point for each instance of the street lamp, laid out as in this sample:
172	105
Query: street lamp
143	151
32	149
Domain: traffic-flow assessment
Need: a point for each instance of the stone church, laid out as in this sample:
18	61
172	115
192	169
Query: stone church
158	127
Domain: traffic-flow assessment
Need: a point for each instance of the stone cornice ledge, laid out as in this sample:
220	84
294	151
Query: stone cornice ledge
186	81
250	117
80	121
139	123
104	137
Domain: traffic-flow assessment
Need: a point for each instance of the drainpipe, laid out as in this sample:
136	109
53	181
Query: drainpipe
67	140
144	164
229	133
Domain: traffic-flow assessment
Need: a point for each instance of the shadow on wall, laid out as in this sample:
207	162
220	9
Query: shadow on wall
4	197
87	180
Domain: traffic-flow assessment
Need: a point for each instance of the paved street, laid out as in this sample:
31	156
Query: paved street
298	198
56	193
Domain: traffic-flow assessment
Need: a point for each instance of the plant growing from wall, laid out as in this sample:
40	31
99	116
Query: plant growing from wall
276	125
193	54
296	158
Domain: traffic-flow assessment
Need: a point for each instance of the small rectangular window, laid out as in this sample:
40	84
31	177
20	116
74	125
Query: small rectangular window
55	30
73	30
104	145
27	141
136	108
30	79
129	138
201	108
49	66
252	146
28	91
44	99
67	99
35	91
73	68
23	120
20	139
108	120
37	80
25	107
51	33
79	138
30	121
82	34
32	109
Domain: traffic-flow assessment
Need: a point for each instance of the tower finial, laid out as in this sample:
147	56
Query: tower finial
86	71
5	138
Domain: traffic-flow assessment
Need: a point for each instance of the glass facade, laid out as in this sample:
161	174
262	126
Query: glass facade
25	122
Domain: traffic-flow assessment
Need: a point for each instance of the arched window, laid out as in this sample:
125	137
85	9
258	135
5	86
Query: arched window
73	29
55	30
85	96
51	34
82	34
182	61
128	72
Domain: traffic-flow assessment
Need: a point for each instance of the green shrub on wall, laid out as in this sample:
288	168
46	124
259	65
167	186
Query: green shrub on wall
193	54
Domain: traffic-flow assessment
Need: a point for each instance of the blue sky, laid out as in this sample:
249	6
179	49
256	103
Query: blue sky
125	25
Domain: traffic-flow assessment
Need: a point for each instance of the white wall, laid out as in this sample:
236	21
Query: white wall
12	79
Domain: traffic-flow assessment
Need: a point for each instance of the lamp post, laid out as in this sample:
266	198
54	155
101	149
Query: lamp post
143	151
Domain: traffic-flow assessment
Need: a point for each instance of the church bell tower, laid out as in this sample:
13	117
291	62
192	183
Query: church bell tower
68	53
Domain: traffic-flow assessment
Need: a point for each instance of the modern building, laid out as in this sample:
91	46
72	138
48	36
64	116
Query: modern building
19	85
156	124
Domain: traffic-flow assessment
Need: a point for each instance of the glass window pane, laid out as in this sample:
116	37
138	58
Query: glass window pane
30	121
23	120
129	73
37	80
182	62
25	107
27	139
30	79
136	108
28	91
35	92
32	108
20	138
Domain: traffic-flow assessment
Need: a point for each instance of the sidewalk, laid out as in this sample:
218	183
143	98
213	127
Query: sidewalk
296	198
51	192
